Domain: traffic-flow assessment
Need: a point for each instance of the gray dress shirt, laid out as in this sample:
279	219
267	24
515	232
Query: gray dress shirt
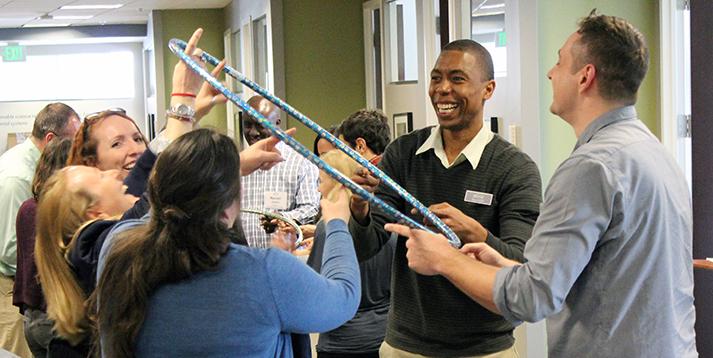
609	261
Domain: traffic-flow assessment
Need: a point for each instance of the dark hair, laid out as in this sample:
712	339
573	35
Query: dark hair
332	129
84	147
194	180
53	118
53	157
617	50
481	54
370	124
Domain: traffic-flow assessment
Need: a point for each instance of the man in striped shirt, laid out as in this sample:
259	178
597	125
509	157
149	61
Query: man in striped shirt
289	188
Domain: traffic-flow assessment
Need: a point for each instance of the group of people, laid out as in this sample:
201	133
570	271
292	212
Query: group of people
141	250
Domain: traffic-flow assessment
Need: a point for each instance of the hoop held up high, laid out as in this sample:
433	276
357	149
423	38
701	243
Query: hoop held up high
177	47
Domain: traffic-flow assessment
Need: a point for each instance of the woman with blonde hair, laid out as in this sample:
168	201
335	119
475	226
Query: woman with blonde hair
27	294
80	204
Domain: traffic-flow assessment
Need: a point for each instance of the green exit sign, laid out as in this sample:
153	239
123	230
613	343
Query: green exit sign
501	39
13	53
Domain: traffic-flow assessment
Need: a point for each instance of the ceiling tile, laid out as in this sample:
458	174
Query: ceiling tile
14	13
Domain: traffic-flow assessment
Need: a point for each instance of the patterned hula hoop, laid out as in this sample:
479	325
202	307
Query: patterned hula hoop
178	46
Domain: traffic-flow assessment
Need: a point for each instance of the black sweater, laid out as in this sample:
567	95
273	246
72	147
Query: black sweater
429	315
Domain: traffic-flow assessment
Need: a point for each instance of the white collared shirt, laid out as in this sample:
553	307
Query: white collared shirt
472	152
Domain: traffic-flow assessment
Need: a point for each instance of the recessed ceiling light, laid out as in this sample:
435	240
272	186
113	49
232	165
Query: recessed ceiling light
90	7
45	25
72	17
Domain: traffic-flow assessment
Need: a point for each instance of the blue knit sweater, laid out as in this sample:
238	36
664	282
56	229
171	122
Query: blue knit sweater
251	303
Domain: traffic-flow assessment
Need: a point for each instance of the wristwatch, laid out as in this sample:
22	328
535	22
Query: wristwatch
181	112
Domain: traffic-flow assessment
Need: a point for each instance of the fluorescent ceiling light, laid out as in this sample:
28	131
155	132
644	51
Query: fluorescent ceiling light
495	6
72	17
74	41
44	25
90	7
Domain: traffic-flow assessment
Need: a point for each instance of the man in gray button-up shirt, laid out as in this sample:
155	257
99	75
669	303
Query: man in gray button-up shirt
609	262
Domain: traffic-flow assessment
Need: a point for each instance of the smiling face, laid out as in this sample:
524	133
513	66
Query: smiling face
105	187
119	144
458	91
252	129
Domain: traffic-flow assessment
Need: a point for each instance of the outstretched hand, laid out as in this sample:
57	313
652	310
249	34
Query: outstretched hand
427	252
368	182
487	255
466	228
184	79
262	154
208	96
185	83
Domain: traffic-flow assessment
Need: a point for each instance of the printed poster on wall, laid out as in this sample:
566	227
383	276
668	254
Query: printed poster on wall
14	129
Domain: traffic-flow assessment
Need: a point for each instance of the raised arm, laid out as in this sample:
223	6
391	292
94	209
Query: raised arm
367	223
308	302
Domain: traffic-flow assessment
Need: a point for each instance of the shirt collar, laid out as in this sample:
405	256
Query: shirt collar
472	152
32	149
613	116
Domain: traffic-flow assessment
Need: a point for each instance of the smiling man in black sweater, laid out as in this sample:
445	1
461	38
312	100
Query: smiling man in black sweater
481	186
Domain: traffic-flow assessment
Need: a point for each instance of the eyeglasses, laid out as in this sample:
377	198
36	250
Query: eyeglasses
101	114
93	118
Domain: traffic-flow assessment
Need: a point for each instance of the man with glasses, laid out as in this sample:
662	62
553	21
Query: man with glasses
17	167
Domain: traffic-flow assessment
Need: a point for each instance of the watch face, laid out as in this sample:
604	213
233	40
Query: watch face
183	110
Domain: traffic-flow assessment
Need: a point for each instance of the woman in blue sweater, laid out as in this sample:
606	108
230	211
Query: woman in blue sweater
173	284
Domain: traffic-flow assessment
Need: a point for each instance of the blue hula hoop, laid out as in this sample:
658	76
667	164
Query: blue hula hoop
178	46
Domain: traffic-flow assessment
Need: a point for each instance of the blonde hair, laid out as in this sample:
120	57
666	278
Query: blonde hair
343	164
61	213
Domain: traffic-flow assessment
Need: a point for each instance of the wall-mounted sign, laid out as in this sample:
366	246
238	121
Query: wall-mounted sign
13	53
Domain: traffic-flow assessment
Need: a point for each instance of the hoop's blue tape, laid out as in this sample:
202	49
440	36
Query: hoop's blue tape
178	46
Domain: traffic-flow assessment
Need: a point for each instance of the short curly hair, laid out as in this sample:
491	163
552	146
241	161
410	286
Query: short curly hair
369	124
617	50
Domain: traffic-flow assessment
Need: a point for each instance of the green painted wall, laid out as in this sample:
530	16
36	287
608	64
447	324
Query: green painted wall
324	61
181	24
557	19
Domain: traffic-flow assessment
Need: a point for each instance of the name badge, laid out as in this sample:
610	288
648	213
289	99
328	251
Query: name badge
276	200
477	197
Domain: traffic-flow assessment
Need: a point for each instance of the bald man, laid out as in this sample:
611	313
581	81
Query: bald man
289	188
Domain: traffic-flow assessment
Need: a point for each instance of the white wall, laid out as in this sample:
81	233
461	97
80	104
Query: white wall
410	96
18	116
239	14
239	17
153	74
